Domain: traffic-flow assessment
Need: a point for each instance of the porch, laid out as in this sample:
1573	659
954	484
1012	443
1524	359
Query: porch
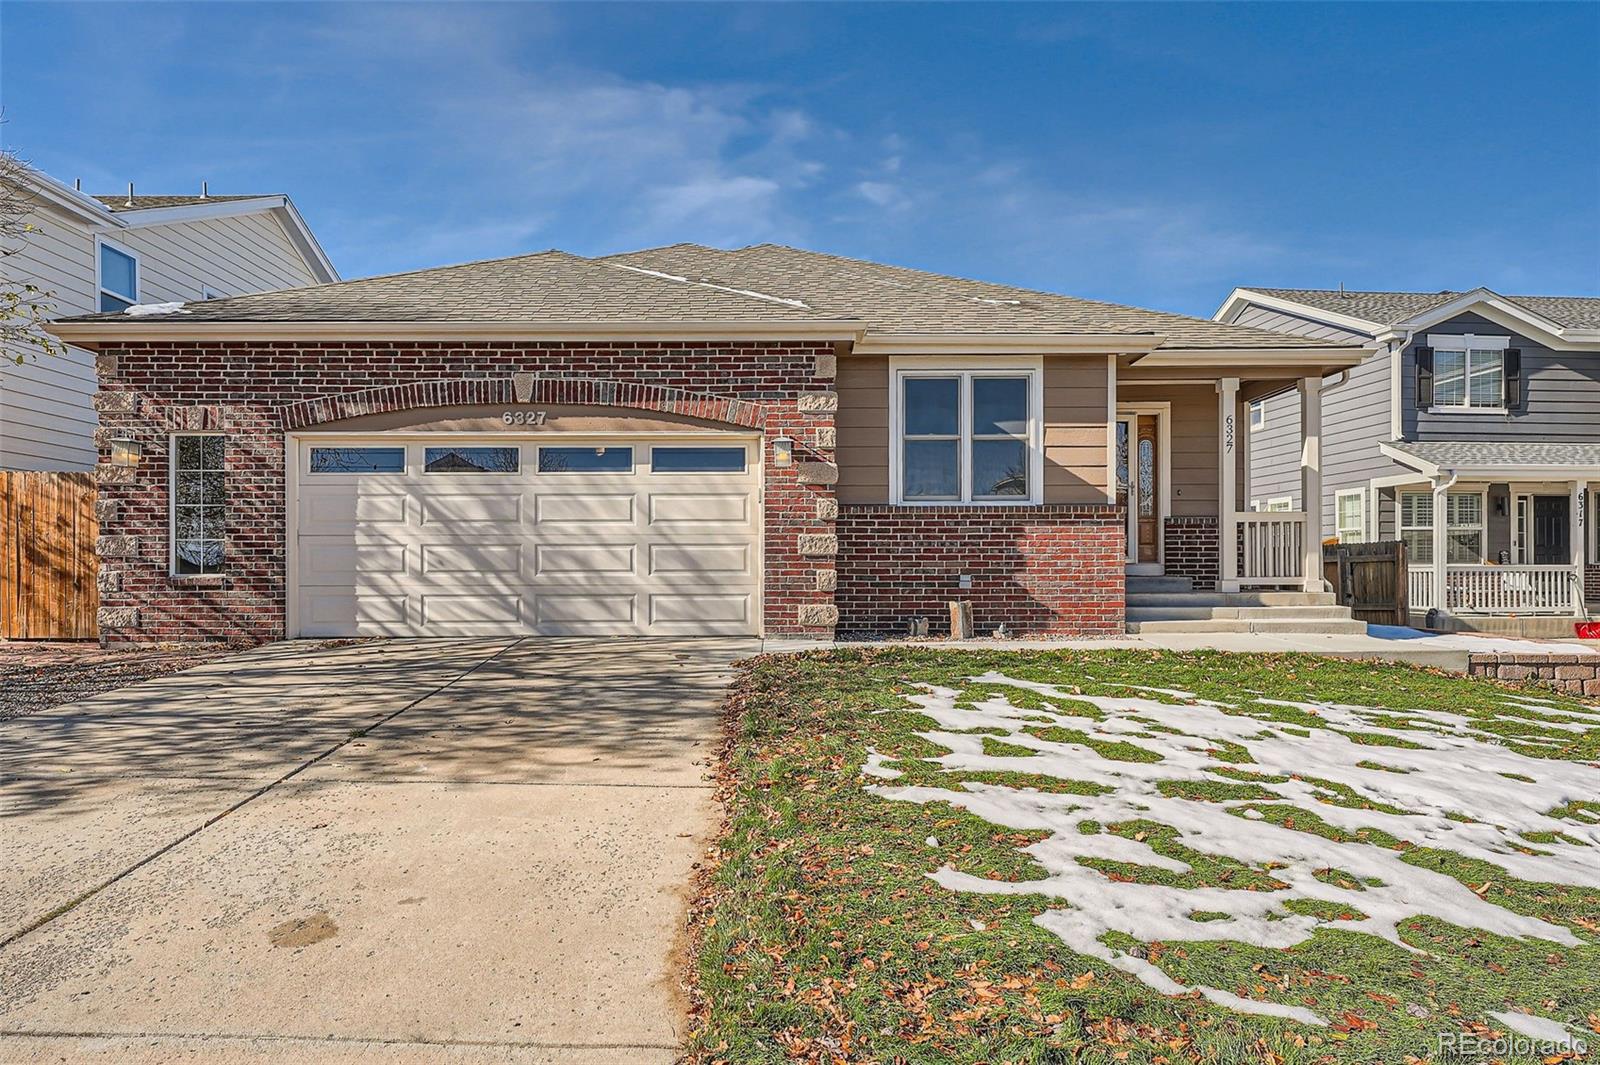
1494	530
1182	470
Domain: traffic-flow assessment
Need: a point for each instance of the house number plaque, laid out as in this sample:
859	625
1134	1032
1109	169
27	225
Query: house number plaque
523	417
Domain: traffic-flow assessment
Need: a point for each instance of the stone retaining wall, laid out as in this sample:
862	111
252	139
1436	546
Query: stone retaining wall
1571	674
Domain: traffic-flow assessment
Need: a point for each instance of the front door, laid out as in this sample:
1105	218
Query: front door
1552	527
1138	485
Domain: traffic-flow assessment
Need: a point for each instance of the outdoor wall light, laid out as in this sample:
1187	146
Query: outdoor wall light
783	451
126	452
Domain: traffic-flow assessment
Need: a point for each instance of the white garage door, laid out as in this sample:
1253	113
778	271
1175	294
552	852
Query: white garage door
485	536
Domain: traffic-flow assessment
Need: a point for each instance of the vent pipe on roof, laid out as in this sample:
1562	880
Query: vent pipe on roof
1342	293
130	195
77	184
204	191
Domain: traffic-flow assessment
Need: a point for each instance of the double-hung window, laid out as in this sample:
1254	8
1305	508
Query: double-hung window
118	277
967	436
1350	513
1464	527
199	504
1469	372
1258	414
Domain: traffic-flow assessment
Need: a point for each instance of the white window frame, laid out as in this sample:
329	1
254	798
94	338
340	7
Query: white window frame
1257	415
966	369
99	282
1468	345
1278	504
1482	528
172	509
1338	498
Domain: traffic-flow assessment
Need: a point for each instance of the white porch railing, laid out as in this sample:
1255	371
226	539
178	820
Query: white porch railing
1483	589
1272	546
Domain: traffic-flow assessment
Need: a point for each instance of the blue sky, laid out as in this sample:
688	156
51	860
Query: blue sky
1144	153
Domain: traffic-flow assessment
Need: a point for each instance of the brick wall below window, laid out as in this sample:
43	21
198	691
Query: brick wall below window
1055	569
1192	550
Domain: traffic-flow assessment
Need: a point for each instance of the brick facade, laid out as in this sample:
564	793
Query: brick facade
1193	550
254	392
1055	569
1591	583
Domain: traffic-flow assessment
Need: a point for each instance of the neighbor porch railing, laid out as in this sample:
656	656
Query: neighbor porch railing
1484	589
1272	546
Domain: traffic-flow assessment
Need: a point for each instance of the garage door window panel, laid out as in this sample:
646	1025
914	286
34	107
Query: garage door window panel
471	460
697	459
335	459
199	504
586	460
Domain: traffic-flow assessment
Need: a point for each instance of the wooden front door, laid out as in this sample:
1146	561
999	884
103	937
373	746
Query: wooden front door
1138	484
1552	517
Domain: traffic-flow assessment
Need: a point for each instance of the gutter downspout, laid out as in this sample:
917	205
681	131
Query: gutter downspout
1442	483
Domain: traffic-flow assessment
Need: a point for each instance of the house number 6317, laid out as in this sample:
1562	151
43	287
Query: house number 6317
523	417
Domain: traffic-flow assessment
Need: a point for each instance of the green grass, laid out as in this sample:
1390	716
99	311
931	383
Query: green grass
820	937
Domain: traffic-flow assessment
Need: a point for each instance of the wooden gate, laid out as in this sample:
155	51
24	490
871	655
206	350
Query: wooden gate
1370	579
47	556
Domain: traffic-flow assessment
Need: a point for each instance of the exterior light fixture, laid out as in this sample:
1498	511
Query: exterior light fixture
126	451
783	451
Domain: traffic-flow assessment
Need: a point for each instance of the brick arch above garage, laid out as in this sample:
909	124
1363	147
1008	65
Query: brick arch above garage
522	390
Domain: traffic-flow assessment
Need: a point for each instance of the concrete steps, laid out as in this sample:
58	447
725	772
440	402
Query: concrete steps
1170	604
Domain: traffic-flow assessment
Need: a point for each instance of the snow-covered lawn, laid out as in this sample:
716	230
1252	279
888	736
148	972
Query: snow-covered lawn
1071	856
1436	781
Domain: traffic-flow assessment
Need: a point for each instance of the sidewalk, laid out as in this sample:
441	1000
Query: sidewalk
1448	652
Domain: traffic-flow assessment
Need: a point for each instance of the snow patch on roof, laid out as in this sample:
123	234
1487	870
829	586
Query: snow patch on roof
144	310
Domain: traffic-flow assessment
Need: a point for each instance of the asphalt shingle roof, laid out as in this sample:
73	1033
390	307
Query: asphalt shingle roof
1386	308
140	203
689	282
1464	454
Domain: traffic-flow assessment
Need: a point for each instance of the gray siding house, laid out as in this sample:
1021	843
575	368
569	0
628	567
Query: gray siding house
1482	408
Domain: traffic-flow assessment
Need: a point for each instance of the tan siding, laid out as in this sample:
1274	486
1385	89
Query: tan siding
1194	443
1074	436
1075	429
863	421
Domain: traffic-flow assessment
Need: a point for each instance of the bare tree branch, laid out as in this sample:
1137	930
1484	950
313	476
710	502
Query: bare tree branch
24	306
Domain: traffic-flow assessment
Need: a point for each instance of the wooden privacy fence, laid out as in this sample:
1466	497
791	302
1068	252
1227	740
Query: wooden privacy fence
47	556
1370	579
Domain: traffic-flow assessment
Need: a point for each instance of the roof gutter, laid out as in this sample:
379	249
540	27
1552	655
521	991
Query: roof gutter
173	327
1006	343
1337	357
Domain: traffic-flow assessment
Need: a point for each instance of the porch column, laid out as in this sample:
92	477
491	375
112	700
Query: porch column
1311	479
1441	543
1579	535
1227	484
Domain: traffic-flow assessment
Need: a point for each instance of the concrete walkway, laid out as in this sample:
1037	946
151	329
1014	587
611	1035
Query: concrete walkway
447	850
1448	652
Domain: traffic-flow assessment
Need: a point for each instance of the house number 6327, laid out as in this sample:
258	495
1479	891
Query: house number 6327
523	417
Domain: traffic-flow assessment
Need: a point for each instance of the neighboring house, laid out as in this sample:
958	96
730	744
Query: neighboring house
1481	407
682	440
104	253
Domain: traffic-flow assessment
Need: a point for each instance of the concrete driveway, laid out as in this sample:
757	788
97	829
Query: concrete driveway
429	850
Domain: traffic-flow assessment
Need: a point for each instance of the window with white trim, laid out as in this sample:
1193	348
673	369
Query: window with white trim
1469	378
1464	527
118	277
1258	414
967	436
1350	515
1281	503
199	504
